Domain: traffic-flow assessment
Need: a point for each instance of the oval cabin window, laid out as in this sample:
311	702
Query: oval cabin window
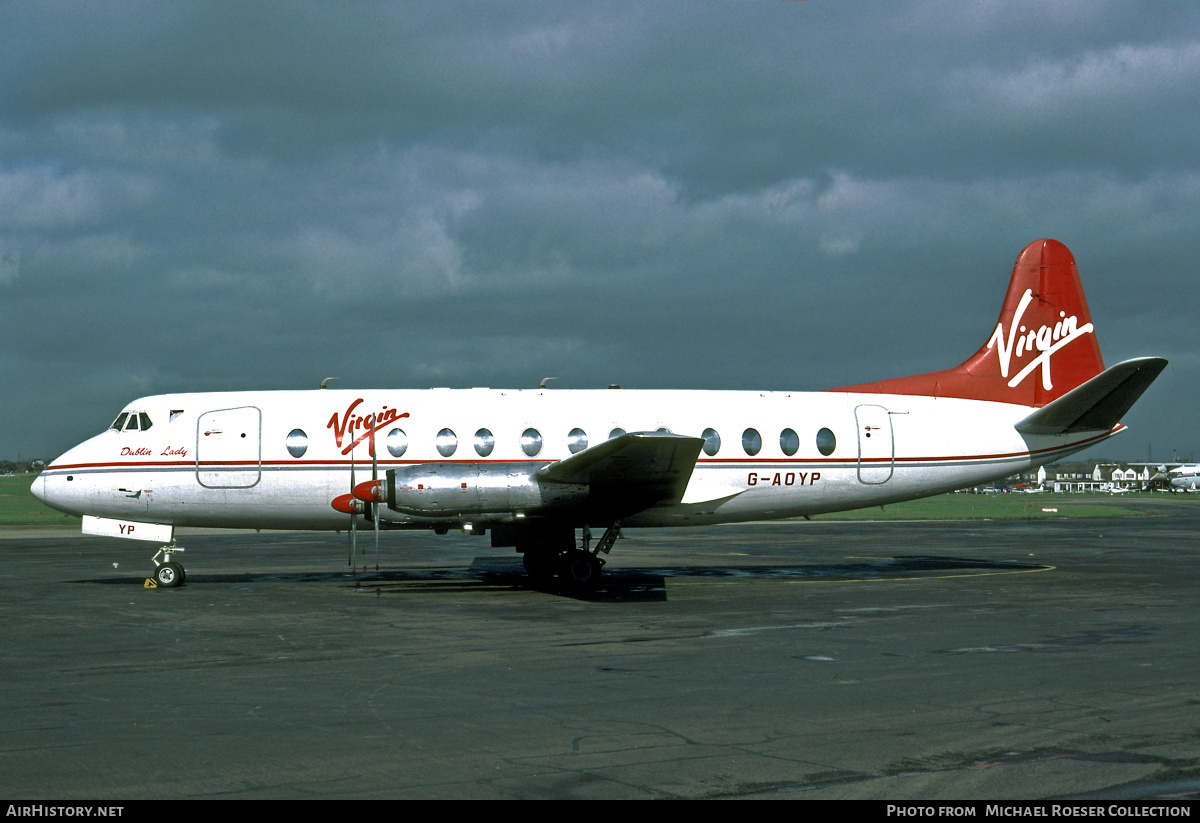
397	442
531	442
789	442
447	442
751	442
826	442
484	442
297	442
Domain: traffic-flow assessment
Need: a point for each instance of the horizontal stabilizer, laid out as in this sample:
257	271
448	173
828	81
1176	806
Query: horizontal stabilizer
1100	403
632	471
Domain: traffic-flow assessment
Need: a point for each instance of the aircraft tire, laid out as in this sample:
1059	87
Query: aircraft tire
168	575
579	570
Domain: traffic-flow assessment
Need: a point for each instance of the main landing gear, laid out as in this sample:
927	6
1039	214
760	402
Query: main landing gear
168	574
576	568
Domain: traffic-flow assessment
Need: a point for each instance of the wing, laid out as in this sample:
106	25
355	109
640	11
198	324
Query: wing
629	473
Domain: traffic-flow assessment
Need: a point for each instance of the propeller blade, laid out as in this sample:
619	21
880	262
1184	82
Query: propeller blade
353	518
375	482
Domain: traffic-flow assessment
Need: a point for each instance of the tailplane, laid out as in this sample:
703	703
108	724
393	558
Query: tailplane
1043	346
1099	404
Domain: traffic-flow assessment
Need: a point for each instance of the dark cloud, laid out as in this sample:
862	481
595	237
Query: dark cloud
679	194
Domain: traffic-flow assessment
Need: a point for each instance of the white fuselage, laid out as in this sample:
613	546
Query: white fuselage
276	460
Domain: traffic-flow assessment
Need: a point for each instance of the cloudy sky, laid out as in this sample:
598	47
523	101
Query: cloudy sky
699	194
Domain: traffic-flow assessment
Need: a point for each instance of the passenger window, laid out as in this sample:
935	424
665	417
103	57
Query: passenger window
397	442
826	442
531	442
617	432
484	442
789	442
447	442
751	442
712	442
577	441
297	442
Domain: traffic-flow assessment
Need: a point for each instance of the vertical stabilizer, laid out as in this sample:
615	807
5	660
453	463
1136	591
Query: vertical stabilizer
1042	347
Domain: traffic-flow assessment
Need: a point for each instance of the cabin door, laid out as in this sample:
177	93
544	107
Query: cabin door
876	451
229	448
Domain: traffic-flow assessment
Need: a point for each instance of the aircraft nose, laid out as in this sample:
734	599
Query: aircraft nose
39	488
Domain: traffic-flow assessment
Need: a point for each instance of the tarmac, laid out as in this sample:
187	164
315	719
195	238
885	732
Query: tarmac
979	660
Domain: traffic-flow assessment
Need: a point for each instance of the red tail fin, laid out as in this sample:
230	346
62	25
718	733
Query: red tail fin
1043	346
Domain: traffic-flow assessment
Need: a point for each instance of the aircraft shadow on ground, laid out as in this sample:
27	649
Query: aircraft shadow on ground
617	585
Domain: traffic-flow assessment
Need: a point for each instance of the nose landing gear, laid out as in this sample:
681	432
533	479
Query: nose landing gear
168	574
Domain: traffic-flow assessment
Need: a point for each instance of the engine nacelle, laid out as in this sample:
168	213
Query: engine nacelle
474	489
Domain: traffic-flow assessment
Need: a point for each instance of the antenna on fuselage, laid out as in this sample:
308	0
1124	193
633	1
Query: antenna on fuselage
327	379
545	380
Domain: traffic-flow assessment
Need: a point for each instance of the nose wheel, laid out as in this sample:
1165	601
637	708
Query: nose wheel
168	574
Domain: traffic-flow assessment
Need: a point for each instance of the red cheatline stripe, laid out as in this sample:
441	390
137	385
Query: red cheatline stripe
713	460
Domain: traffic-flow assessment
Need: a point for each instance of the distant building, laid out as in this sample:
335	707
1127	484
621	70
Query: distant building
1075	477
1100	476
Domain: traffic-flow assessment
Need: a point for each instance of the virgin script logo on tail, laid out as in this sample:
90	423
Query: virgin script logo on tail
1045	340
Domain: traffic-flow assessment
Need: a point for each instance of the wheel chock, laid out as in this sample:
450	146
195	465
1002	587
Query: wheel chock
150	584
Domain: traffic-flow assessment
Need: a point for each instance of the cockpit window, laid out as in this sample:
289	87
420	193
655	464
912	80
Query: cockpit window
131	422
